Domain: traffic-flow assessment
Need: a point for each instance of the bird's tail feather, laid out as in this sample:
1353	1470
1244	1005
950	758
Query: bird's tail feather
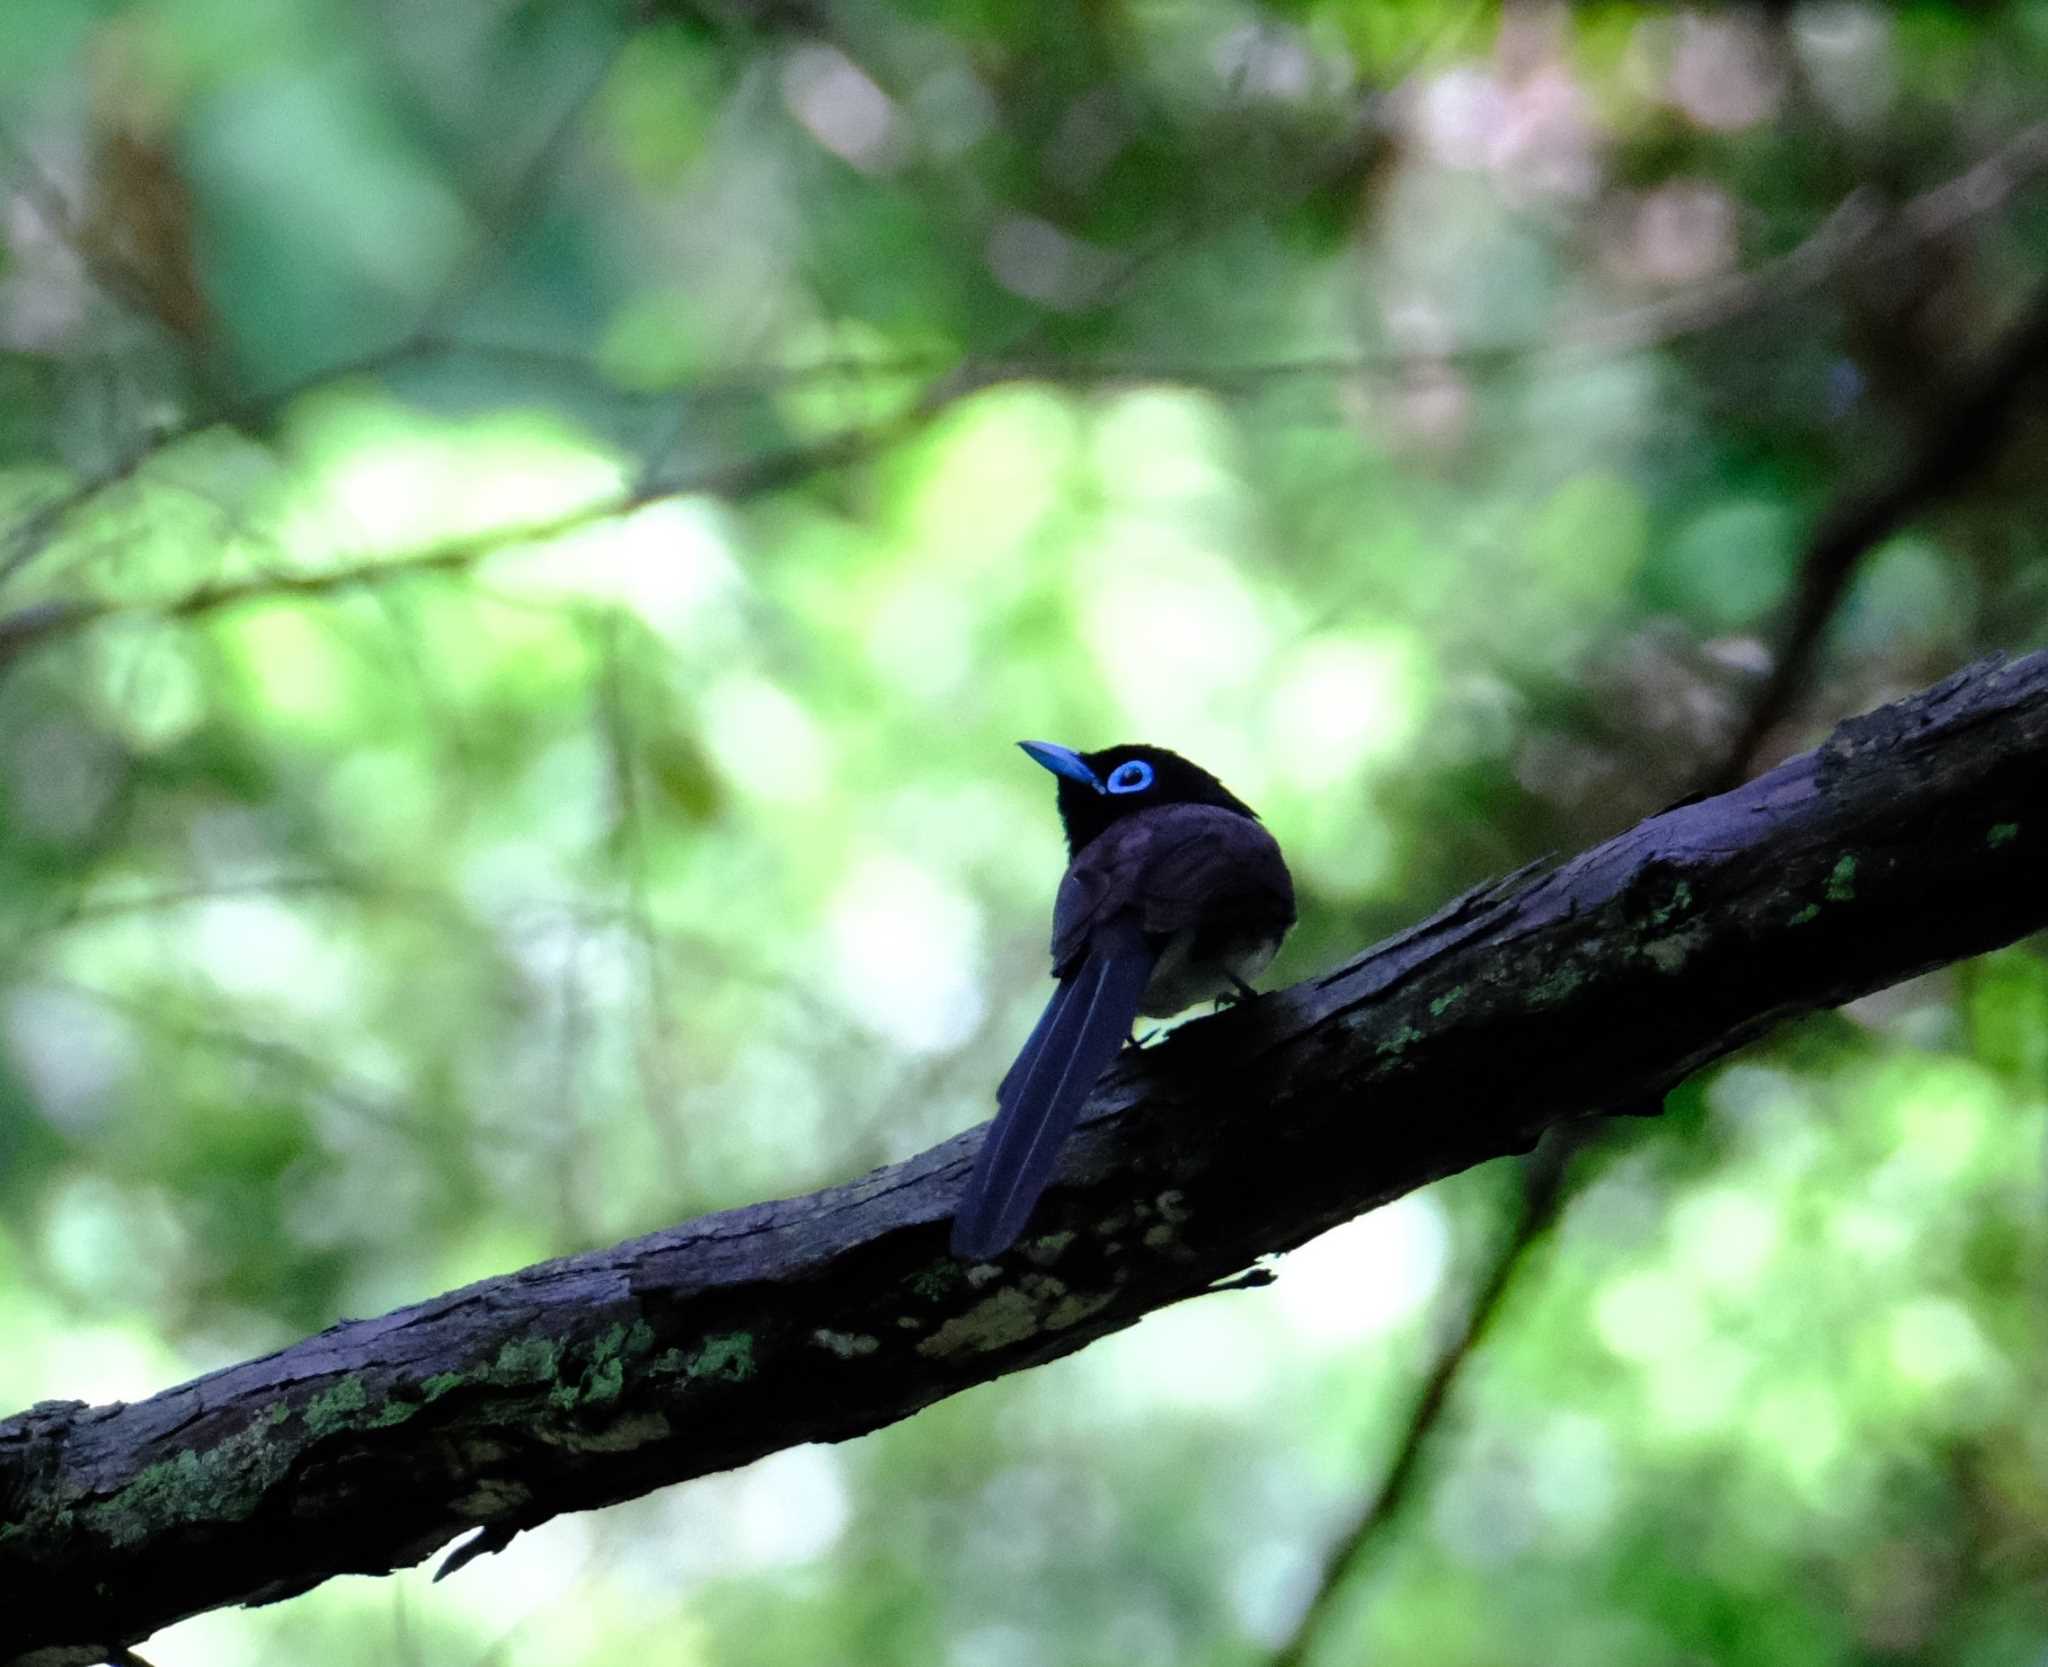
1073	1043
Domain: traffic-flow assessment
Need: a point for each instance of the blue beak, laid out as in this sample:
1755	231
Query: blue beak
1061	761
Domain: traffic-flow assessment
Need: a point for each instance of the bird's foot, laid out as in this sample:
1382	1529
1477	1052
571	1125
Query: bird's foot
1235	997
1138	1041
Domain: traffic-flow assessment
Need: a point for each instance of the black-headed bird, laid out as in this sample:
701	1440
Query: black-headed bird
1174	893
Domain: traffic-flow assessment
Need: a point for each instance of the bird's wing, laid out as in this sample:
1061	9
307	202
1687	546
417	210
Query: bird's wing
1073	1043
1170	868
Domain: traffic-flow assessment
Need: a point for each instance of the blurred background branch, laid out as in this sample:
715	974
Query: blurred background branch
585	1381
1964	437
1961	440
526	536
1543	1194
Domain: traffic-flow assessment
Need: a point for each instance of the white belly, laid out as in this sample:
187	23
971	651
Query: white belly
1179	981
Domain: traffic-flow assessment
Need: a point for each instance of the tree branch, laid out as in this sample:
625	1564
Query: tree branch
1845	535
1543	1198
1914	837
1959	442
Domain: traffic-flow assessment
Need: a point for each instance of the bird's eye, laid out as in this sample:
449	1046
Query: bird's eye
1133	777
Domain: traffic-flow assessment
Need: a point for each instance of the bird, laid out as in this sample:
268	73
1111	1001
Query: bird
1174	893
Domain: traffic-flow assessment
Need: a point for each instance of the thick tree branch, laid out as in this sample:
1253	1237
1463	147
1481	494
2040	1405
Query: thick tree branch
1915	837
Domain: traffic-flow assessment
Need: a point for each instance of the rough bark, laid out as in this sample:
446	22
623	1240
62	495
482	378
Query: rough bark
1914	837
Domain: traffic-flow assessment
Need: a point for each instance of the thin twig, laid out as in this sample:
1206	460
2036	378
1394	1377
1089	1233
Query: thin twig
367	1104
1956	446
515	203
1987	185
1543	1193
656	1046
34	533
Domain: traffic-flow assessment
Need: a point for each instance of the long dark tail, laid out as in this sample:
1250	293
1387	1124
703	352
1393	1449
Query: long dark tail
1079	1033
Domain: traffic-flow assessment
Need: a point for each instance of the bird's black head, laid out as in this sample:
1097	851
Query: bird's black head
1098	788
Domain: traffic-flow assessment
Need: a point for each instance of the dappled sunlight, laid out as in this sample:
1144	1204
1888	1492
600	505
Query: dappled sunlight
921	637
673	565
1726	1240
525	1584
379	478
1651	1316
1801	1425
1937	1348
1012	446
75	1055
1167	452
785	1510
906	954
1340	707
150	686
765	743
528	540
1367	1277
1175	628
111	1361
1212	1357
111	1245
294	665
255	949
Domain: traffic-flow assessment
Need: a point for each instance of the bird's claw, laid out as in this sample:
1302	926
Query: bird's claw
1235	997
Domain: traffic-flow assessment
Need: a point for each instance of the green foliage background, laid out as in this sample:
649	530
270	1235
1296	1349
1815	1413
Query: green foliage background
527	530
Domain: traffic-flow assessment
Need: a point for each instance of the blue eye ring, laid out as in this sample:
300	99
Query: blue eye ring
1134	775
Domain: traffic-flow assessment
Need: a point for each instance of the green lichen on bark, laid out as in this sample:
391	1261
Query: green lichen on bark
347	1407
1681	900
1006	1316
336	1409
1669	953
603	1375
1075	1307
224	1482
935	1281
728	1357
524	1360
1048	1248
1557	987
847	1345
1398	1043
